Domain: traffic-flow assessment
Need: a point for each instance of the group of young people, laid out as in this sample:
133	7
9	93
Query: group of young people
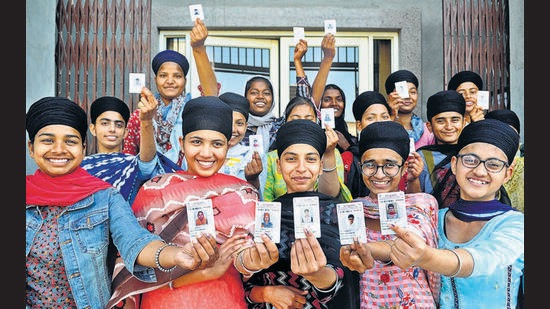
111	230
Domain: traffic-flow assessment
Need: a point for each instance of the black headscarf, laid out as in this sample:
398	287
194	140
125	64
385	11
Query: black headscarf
465	76
108	103
56	110
398	76
207	113
491	131
301	131
365	100
445	101
506	116
237	102
385	134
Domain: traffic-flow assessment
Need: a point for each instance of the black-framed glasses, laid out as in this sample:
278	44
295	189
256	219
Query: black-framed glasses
492	165
389	169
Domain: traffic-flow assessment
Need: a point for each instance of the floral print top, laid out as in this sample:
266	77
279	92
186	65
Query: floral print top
388	286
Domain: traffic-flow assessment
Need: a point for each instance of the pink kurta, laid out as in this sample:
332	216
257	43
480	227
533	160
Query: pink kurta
157	206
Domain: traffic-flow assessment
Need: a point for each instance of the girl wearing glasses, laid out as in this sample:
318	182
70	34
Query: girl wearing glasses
384	148
481	246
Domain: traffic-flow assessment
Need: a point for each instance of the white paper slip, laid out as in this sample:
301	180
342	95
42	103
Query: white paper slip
411	146
256	143
268	221
330	26
483	99
306	215
402	89
298	34
351	222
136	81
196	12
327	117
200	217
393	210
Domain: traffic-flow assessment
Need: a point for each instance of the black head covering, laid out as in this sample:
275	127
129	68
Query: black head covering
207	113
465	76
365	100
172	56
108	103
505	115
56	110
237	102
445	101
398	76
385	134
301	131
491	131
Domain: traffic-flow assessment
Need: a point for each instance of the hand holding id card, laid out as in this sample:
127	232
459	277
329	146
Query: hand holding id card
196	12
330	26
393	210
351	222
306	215
327	118
136	81
256	143
268	221
402	89
298	34
200	215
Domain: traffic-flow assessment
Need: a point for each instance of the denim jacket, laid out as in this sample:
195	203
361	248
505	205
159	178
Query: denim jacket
83	233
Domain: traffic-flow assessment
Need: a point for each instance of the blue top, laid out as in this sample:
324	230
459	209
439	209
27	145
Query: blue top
498	254
238	157
83	232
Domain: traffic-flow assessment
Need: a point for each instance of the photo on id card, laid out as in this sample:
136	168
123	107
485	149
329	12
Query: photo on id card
306	215
200	215
351	222
392	210
268	221
327	118
256	143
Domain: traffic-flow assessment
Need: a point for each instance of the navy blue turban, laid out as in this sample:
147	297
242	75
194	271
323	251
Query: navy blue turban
237	102
385	134
172	56
445	101
56	110
465	76
301	131
207	113
505	115
366	99
399	76
108	103
491	131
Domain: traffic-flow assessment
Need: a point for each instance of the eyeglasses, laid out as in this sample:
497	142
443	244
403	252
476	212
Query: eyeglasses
389	169
492	165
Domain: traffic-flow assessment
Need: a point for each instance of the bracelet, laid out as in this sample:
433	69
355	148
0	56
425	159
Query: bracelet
247	273
336	283
459	263
157	256
329	169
